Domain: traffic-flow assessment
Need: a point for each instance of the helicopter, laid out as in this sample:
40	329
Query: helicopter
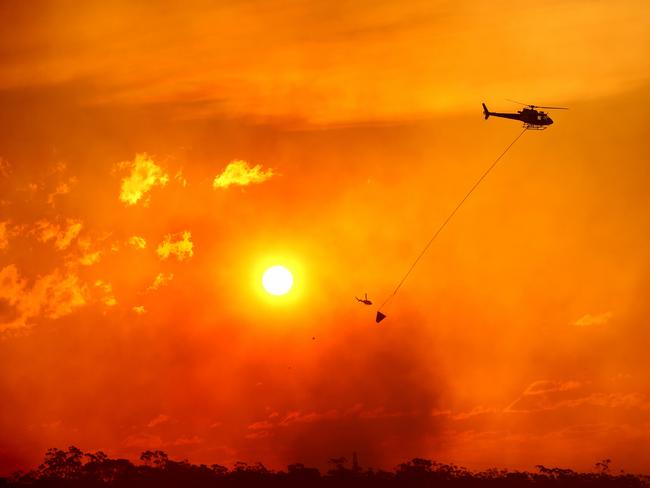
365	300
532	119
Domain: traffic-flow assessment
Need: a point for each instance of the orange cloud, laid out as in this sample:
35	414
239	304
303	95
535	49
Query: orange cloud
52	296
145	174
11	286
90	252
4	238
137	242
548	386
611	400
552	395
182	247
139	309
265	427
90	258
238	172
479	410
62	235
180	177
587	320
108	298
5	168
161	280
61	189
160	419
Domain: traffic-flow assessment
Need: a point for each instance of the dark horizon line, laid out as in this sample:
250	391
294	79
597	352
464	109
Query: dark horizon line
74	467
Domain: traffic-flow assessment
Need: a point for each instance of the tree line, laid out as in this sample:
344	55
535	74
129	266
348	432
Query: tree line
75	468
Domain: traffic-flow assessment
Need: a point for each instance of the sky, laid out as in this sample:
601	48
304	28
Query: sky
154	161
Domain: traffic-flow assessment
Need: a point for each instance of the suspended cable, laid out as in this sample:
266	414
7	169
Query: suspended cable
381	316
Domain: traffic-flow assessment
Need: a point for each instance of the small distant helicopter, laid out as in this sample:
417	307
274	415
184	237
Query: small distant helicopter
365	300
532	119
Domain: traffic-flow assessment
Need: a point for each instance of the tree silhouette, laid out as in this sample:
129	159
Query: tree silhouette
74	468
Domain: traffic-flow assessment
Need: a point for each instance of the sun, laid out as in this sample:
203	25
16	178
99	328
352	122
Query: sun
277	280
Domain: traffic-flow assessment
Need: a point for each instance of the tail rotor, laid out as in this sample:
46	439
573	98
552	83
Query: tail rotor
486	112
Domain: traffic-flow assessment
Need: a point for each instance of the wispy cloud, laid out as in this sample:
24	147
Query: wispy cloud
107	297
144	175
90	258
179	245
545	395
549	386
62	188
588	319
610	400
161	280
5	167
91	249
159	419
4	236
479	410
51	296
238	172
553	395
62	235
137	242
149	441
263	428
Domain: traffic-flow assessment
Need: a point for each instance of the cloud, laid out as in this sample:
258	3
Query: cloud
4	237
148	441
261	425
145	174
139	309
436	412
274	421
107	297
137	242
90	258
553	395
549	386
159	419
306	418
91	250
178	244
605	400
161	280
238	172
180	177
52	296
544	395
5	167
62	188
63	235
11	285
479	410
610	400
587	320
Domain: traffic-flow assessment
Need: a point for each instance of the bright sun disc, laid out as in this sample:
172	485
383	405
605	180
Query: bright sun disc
277	280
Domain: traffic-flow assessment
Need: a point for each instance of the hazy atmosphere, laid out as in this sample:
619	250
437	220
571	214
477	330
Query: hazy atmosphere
155	161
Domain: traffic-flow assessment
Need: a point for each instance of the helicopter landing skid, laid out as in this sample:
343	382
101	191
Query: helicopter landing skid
535	127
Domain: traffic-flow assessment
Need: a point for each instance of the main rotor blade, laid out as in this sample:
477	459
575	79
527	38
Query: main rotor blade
554	108
536	106
515	101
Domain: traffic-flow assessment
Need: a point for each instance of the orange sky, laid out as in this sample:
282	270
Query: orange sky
155	161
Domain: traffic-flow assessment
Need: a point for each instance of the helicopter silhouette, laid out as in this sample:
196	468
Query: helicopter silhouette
532	119
365	300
